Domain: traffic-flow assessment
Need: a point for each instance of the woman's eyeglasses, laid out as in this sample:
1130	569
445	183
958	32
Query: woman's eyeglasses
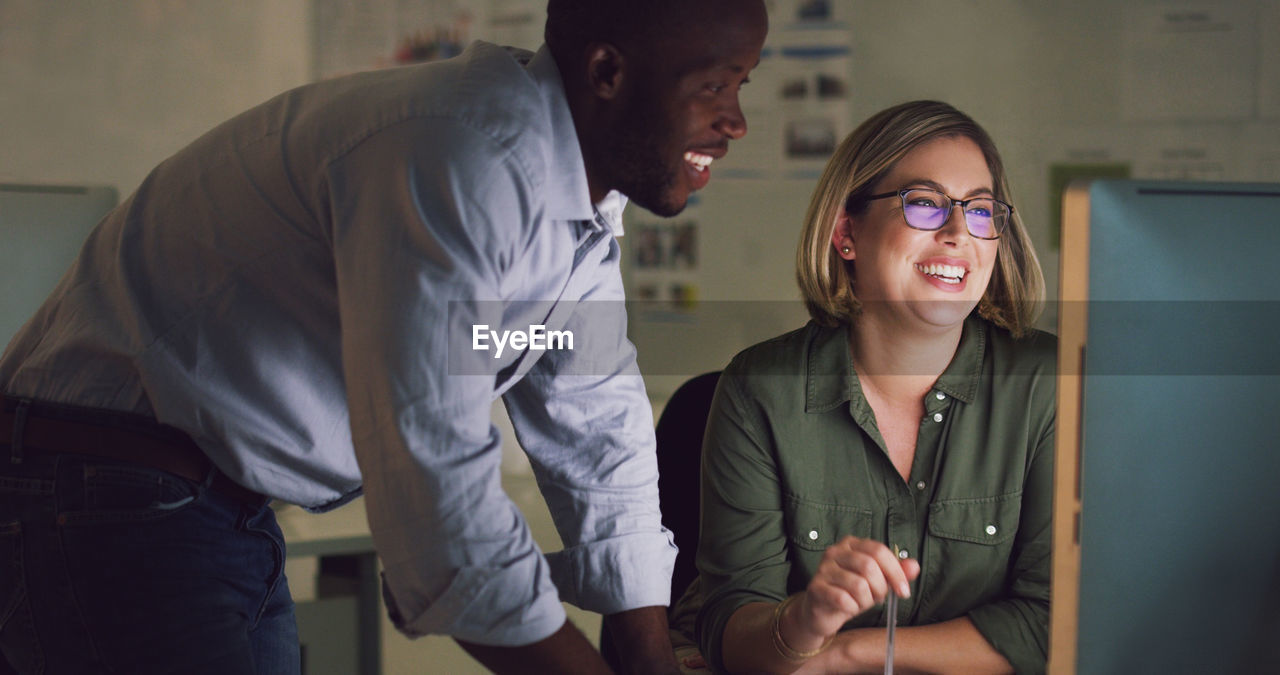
926	209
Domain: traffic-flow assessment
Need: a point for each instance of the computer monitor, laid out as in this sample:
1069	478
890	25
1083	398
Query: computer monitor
1167	491
41	230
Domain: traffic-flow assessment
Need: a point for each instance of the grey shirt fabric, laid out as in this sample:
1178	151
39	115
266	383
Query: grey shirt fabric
297	290
793	462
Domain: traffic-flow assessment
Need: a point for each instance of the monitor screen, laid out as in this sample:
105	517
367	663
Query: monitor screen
1167	504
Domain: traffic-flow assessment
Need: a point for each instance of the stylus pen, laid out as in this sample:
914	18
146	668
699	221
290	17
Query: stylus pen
891	608
892	622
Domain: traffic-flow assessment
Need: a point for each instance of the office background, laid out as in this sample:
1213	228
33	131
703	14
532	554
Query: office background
99	92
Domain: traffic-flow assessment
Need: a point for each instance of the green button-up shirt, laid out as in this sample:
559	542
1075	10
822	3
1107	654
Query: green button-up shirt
793	461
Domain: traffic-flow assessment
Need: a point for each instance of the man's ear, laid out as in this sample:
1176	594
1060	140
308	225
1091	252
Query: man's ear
605	65
842	237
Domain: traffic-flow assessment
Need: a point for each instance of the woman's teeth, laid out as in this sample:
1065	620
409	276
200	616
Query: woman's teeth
699	161
951	274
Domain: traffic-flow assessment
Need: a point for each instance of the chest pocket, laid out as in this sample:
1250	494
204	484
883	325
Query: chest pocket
986	520
968	550
814	526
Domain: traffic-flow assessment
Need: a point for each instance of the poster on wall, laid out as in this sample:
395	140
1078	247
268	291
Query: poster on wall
813	101
1180	152
813	43
662	260
797	101
1189	62
356	35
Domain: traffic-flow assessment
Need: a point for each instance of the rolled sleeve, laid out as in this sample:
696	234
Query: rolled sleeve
616	574
584	419
465	564
1018	626
744	558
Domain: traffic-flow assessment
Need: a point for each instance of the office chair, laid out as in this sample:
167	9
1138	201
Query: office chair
679	440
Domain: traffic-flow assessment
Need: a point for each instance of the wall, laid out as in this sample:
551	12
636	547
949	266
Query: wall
100	92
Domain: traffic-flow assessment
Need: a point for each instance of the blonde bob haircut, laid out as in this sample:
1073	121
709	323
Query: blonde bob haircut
1014	297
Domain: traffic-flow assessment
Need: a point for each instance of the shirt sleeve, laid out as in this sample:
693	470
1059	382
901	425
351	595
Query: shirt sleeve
744	558
1018	625
585	421
419	243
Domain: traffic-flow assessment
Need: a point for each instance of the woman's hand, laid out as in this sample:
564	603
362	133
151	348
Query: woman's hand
854	576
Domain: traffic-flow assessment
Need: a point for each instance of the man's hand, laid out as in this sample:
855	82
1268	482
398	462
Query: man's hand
642	641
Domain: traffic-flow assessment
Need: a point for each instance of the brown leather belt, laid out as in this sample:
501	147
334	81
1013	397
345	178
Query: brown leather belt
47	428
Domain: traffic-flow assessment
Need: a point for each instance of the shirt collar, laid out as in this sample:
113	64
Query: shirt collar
567	194
831	381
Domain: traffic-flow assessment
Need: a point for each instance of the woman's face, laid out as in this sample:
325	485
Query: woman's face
917	278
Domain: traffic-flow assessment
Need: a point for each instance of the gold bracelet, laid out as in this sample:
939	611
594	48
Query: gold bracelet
785	650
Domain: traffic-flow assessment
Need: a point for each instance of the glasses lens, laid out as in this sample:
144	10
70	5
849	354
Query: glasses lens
925	209
986	218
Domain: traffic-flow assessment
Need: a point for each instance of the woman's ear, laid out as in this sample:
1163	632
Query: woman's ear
842	237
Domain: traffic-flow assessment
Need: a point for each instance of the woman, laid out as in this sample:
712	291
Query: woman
901	442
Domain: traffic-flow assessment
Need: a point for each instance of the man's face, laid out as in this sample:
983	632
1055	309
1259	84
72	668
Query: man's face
680	107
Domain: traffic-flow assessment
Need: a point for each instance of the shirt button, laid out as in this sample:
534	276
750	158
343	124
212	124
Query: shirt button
813	534
991	529
937	417
903	554
941	396
920	485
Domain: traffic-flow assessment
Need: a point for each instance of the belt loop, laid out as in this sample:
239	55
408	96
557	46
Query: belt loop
19	430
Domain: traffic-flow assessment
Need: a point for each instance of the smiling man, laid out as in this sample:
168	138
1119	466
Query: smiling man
271	316
676	108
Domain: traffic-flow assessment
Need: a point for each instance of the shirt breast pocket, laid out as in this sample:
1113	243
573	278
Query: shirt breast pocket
970	542
812	527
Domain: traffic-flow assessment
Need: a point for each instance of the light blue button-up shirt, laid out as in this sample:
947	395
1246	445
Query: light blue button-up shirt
300	291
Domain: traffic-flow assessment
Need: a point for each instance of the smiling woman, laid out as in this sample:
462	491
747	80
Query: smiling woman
857	172
901	444
901	270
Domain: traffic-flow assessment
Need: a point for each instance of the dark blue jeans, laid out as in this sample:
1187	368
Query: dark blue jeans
107	567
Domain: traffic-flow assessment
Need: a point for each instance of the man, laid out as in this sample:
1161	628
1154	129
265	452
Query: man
303	299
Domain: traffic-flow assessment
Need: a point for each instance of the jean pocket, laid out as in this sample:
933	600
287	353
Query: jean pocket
129	493
18	643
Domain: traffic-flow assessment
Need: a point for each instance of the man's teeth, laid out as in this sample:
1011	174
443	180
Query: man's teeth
698	160
951	274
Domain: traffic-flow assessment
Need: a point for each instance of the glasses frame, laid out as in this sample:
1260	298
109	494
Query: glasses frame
902	194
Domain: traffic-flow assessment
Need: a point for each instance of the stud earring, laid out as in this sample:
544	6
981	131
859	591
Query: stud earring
845	249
